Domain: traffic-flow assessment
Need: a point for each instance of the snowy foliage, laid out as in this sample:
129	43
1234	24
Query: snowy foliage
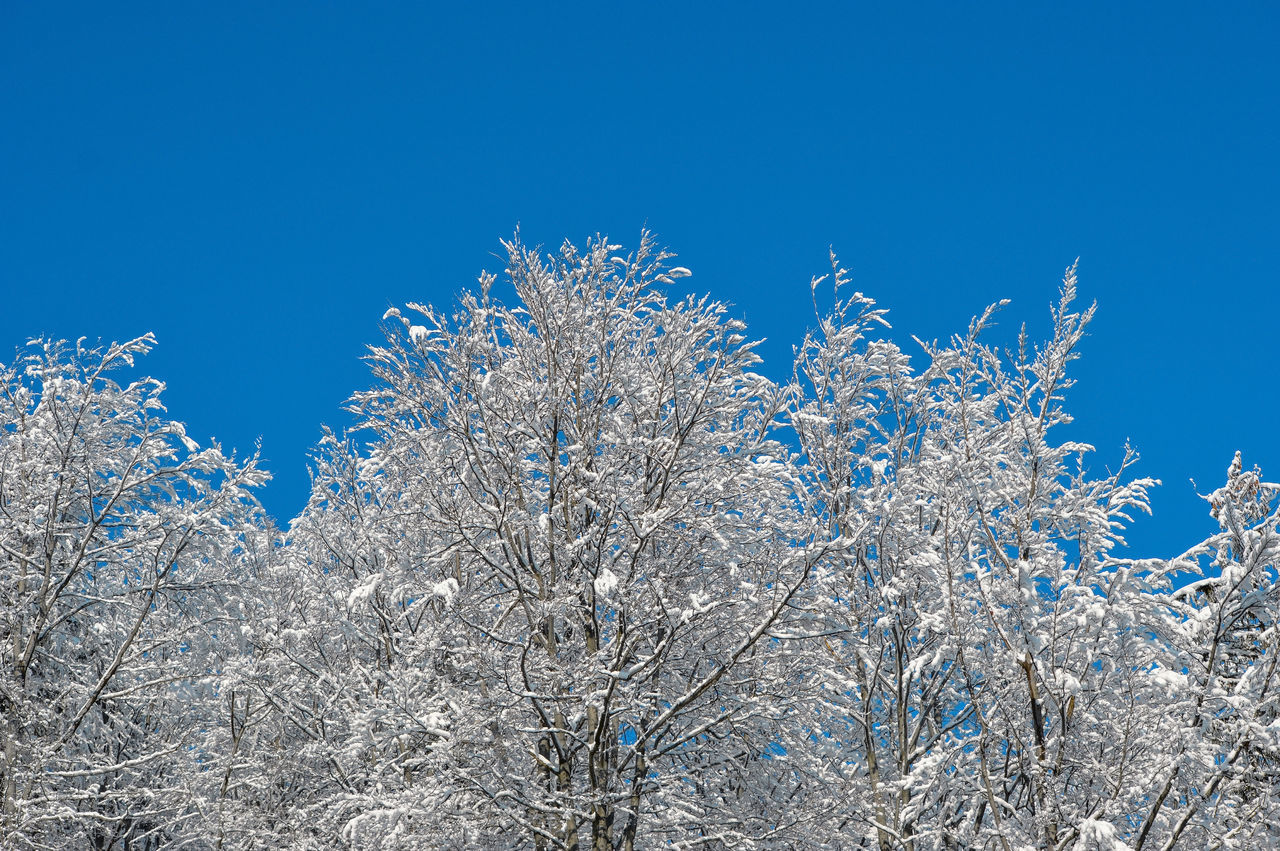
117	534
583	579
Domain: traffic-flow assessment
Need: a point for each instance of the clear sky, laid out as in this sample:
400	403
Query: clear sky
257	182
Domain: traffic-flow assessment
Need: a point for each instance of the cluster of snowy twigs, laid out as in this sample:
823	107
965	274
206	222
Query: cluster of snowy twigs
581	579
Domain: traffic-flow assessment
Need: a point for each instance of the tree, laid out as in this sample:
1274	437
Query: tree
115	528
582	579
571	555
1220	783
998	676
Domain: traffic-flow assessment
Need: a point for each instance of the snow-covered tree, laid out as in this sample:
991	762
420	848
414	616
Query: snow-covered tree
1218	784
569	564
115	529
582	579
1002	676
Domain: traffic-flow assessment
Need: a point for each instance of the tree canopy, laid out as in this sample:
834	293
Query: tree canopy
581	578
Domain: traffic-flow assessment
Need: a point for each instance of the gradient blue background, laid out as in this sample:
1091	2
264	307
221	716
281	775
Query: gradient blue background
256	183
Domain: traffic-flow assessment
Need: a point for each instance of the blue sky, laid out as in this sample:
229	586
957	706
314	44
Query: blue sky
257	183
